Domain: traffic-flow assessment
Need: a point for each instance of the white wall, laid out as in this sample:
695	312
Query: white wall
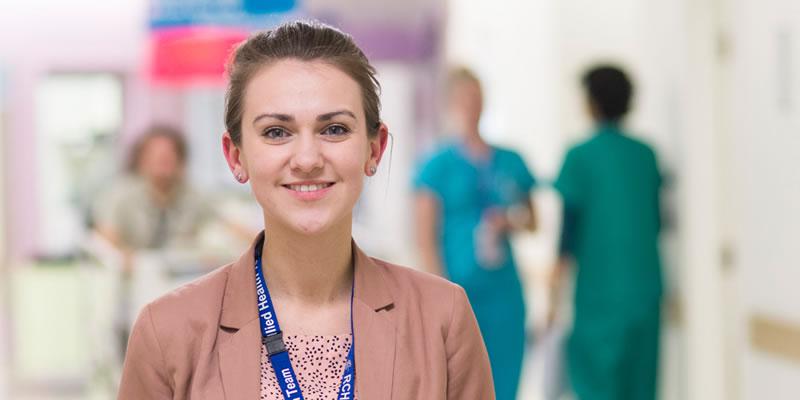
3	178
763	185
383	218
4	386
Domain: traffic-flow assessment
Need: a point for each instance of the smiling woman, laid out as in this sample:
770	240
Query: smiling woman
303	128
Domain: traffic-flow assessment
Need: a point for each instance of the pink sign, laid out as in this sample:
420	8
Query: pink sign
192	55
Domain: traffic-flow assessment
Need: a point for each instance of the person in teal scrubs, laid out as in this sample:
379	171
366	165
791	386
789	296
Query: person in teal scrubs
610	188
469	197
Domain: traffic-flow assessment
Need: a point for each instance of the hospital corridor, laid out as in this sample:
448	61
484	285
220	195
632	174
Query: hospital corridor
612	183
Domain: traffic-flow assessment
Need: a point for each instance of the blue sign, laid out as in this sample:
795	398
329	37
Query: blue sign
268	6
239	13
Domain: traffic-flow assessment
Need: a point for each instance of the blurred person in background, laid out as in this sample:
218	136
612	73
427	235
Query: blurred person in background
153	207
303	127
470	197
610	189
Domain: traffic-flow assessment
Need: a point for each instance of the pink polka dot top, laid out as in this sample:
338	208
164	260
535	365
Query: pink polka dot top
318	362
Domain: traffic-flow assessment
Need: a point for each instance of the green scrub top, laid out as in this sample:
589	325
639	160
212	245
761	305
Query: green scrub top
610	186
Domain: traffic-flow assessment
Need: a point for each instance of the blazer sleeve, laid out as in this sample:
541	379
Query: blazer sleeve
144	374
469	375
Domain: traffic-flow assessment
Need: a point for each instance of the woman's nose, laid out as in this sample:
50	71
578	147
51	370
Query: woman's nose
307	155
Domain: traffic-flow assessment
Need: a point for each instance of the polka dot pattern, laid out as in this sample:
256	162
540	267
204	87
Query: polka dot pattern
318	362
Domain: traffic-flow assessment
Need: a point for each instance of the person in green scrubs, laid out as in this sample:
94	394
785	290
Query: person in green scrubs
470	197
610	189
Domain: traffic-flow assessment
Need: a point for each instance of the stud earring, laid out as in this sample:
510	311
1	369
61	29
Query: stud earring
239	176
373	170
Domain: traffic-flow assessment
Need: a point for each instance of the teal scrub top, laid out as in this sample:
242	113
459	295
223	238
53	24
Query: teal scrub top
610	186
465	188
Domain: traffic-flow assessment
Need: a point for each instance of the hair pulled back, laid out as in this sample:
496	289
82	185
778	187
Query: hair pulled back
305	41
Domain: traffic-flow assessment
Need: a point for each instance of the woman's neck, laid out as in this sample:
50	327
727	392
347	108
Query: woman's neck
476	147
315	270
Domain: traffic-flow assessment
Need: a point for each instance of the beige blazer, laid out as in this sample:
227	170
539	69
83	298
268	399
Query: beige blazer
416	338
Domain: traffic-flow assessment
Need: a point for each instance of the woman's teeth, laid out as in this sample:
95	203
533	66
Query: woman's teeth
309	188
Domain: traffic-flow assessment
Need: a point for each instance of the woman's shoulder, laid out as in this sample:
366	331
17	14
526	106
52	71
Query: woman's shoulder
408	285
442	152
196	304
403	276
172	336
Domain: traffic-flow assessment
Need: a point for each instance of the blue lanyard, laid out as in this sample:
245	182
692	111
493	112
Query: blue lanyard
272	338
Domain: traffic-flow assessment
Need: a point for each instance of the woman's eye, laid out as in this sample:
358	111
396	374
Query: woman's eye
275	134
335	130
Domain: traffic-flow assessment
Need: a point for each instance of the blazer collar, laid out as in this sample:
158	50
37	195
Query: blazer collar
239	302
375	332
373	323
370	282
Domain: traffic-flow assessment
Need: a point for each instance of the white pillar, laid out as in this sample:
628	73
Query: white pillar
698	221
4	356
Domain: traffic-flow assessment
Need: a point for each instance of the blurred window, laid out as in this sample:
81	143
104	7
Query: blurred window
77	116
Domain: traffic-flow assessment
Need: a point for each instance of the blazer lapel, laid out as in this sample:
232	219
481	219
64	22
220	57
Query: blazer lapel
240	354
240	363
375	332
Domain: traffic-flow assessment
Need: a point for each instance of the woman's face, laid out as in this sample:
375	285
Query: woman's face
304	145
466	104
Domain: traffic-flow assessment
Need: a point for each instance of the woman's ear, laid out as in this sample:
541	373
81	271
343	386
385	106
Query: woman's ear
233	155
377	145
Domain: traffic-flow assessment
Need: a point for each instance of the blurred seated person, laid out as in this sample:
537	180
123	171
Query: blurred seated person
153	207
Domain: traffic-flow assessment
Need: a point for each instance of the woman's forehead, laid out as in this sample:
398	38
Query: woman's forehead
293	86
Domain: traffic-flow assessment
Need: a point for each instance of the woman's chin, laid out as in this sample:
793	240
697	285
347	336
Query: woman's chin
312	226
309	223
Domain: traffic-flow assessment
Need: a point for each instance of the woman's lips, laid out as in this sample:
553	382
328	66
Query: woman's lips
309	191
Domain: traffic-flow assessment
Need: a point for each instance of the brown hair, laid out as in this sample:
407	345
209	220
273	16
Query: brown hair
306	41
165	131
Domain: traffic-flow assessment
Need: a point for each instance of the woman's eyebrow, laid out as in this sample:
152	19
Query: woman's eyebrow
279	117
330	115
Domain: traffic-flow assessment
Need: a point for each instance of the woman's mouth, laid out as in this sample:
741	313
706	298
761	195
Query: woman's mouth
309	187
309	191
